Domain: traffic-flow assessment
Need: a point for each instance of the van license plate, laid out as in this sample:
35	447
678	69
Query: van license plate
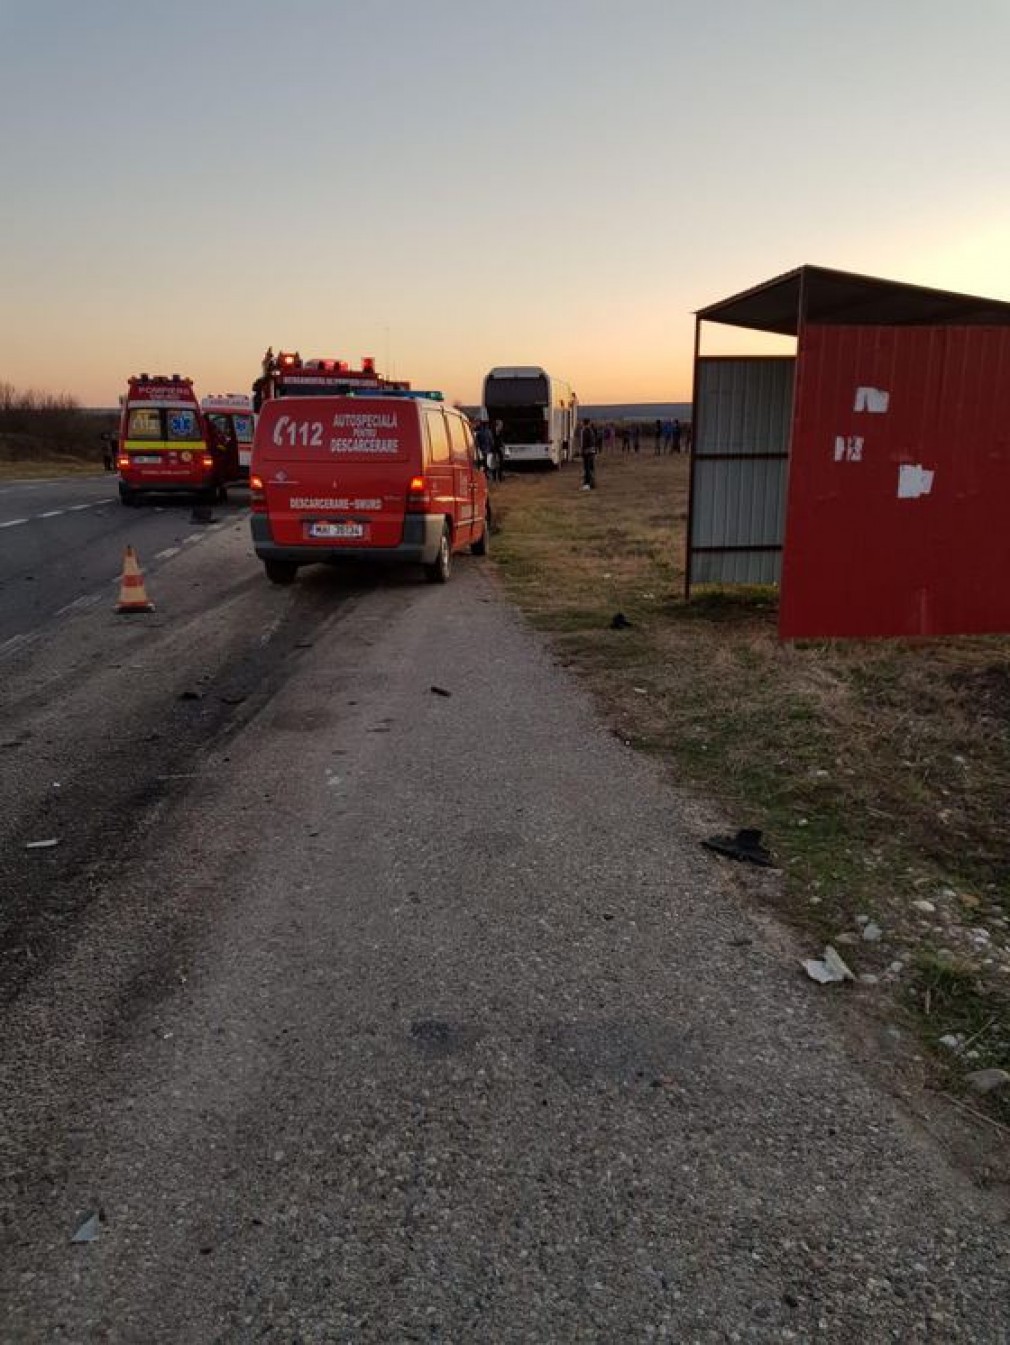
146	459
336	530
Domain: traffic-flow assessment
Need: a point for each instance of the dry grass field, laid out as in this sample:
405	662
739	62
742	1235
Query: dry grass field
45	435
879	771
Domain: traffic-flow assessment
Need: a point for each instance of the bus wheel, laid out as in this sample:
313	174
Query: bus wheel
483	542
280	571
441	567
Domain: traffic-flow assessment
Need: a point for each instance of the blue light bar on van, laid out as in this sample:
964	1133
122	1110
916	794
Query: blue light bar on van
396	392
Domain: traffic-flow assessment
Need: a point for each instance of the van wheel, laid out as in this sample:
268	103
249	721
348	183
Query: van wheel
127	496
483	542
441	567
280	571
222	495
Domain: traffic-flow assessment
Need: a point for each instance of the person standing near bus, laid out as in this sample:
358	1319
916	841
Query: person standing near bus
589	446
498	451
485	445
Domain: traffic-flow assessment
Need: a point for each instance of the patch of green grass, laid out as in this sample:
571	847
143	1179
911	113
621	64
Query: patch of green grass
950	999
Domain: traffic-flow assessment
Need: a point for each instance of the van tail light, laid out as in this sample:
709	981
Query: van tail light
257	495
207	462
418	495
123	462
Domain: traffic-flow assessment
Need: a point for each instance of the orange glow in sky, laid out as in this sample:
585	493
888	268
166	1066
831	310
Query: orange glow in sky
452	186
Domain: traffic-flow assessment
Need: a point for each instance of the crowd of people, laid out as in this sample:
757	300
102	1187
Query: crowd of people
665	436
662	436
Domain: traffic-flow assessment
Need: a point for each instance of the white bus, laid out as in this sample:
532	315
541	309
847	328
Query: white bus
534	414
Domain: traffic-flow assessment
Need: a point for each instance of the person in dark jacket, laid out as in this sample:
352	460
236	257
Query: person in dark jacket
485	444
589	447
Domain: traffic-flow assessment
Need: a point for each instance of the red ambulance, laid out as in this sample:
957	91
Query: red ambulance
230	418
378	475
165	446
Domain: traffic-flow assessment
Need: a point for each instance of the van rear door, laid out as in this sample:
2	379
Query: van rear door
335	470
463	474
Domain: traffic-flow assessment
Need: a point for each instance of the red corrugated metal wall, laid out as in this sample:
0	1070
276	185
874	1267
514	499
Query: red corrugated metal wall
898	511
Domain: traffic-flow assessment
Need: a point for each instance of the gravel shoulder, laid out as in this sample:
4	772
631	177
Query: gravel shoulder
426	1017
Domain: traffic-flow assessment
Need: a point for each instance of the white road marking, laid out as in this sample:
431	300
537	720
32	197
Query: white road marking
79	604
193	537
168	553
18	642
55	513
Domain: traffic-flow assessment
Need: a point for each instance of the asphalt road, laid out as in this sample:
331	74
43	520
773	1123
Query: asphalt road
62	542
361	1012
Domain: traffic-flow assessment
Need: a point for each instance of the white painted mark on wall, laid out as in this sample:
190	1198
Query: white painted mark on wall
848	448
874	400
914	481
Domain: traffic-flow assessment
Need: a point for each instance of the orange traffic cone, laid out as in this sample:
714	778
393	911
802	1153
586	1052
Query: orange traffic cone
132	594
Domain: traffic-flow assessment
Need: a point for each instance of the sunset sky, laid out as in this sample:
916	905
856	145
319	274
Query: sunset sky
453	184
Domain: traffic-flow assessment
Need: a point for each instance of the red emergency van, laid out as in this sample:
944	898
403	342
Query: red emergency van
380	476
164	442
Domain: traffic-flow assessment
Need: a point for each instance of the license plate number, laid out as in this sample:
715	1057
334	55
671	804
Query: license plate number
336	530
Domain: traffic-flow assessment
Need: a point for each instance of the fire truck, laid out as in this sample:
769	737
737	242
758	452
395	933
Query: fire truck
165	445
286	374
230	418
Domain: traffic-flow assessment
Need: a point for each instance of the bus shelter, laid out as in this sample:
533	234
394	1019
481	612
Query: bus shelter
866	474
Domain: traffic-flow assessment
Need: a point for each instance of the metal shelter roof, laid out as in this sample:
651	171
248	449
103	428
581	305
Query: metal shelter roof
818	294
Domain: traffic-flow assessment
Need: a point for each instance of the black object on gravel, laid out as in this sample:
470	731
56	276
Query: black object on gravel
745	846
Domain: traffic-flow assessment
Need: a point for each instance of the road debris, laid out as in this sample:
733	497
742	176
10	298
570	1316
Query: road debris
42	845
954	1041
440	691
829	968
619	622
745	846
872	932
988	1080
88	1231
